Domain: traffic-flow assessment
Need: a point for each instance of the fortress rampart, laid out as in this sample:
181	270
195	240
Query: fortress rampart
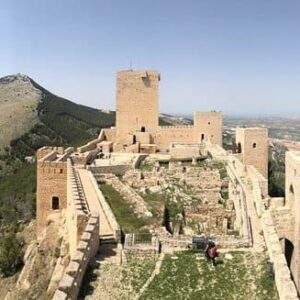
284	283
77	211
86	249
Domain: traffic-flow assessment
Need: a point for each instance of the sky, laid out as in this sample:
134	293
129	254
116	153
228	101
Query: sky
240	57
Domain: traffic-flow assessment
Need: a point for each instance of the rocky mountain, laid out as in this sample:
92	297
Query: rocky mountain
31	116
19	100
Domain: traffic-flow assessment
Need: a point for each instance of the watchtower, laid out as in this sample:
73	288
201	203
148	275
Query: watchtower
208	127
51	186
137	104
252	143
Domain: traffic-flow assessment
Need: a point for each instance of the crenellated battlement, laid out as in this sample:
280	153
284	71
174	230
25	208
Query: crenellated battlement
176	127
86	249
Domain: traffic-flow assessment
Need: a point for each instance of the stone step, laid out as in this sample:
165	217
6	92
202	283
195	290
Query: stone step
107	239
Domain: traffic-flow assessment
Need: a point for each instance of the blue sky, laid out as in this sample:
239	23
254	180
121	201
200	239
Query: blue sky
241	57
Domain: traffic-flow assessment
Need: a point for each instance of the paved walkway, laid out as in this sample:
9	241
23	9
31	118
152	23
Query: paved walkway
258	239
93	202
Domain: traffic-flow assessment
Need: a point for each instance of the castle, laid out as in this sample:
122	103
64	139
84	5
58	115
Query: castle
67	183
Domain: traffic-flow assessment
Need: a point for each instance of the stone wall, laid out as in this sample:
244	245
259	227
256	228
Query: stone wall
186	150
87	248
238	195
166	135
136	247
139	205
77	211
112	169
91	145
292	194
284	283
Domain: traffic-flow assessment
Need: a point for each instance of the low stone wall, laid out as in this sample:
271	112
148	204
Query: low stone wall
131	196
240	201
113	169
185	242
114	225
89	146
85	157
261	180
137	161
87	248
135	247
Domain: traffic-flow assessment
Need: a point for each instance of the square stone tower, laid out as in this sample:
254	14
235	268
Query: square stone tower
137	103
51	186
252	143
208	127
292	200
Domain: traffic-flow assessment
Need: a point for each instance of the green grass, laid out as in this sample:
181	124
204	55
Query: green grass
146	166
123	212
189	276
158	201
137	271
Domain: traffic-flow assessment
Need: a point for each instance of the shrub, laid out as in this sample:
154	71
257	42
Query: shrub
11	254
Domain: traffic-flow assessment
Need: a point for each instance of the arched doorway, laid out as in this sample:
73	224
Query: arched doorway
288	251
134	139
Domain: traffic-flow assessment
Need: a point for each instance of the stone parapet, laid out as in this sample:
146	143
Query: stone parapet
77	211
87	248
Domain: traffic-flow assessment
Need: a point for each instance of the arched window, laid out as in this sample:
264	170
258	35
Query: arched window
134	139
254	145
143	129
55	203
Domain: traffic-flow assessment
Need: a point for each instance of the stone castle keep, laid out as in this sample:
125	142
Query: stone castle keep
68	189
137	128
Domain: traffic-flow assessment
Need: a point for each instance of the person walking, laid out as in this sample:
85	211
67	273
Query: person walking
213	254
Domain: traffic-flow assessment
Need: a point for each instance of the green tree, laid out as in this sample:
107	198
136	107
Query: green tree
11	254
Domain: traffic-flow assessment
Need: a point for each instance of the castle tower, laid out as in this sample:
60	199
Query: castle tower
208	127
292	200
51	187
137	104
253	146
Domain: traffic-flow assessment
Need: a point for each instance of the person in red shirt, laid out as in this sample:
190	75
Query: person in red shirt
213	254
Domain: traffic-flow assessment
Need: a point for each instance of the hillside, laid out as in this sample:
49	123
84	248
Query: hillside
19	100
166	119
52	119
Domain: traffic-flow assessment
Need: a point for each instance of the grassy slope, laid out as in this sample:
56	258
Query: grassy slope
187	275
